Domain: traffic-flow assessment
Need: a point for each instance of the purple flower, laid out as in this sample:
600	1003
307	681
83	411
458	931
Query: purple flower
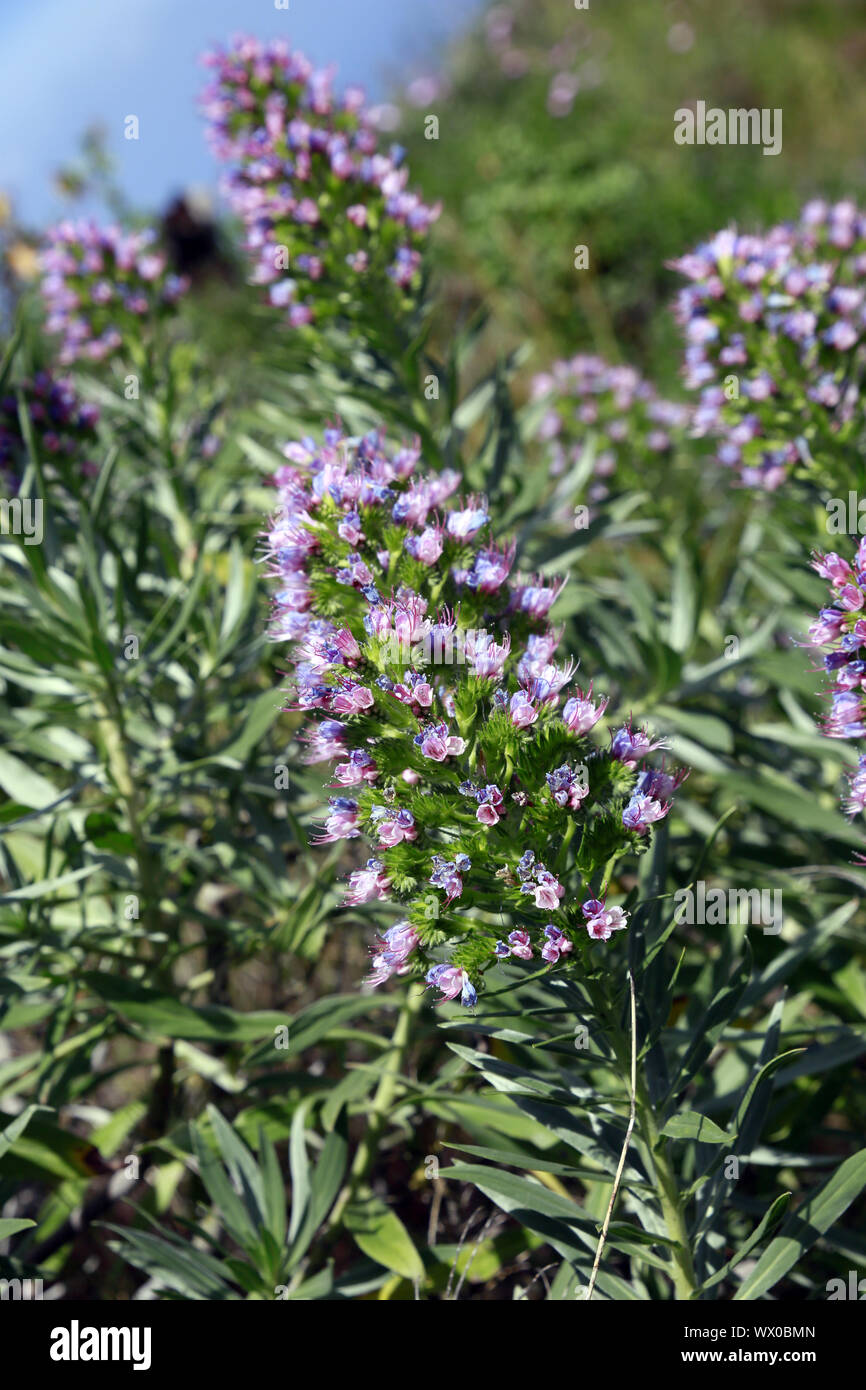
322	205
393	827
580	714
448	875
642	811
603	924
99	279
436	743
394	947
567	787
556	945
367	884
451	980
521	710
464	523
342	823
518	945
629	746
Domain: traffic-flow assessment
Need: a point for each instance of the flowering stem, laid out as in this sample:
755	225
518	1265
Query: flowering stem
664	1179
380	1109
666	1186
111	724
627	1140
562	857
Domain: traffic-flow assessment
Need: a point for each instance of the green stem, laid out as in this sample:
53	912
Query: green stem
380	1109
112	729
663	1175
667	1188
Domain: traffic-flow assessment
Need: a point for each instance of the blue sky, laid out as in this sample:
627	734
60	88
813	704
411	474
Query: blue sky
65	64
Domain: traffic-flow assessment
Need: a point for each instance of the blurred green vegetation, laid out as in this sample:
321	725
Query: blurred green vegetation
522	186
136	1038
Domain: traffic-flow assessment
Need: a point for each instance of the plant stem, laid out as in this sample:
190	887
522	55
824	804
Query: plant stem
683	1273
112	728
664	1179
380	1109
626	1141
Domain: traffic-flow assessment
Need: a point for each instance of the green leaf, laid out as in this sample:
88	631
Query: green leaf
806	1225
381	1235
103	831
325	1185
192	1273
688	1124
315	1023
273	1188
48	885
23	784
299	1166
772	1216
232	1211
11	1225
16	1127
160	1015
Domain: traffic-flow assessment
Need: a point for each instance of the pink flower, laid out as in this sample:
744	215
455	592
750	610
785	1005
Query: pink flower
352	699
360	767
547	891
580	714
603	924
850	597
367	883
427	547
436	743
395	827
470	519
342	823
392	958
521	710
451	980
557	944
485	657
519	943
325	741
409	621
643	811
348	647
537	599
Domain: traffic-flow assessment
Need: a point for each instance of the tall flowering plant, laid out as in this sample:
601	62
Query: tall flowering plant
840	632
774	325
492	811
585	397
63	426
329	220
101	286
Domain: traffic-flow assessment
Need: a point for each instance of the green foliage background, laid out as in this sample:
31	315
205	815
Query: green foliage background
198	1102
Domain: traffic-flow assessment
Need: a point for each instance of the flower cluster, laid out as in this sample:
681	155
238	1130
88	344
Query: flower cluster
841	628
774	326
98	282
329	219
430	666
64	426
585	398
